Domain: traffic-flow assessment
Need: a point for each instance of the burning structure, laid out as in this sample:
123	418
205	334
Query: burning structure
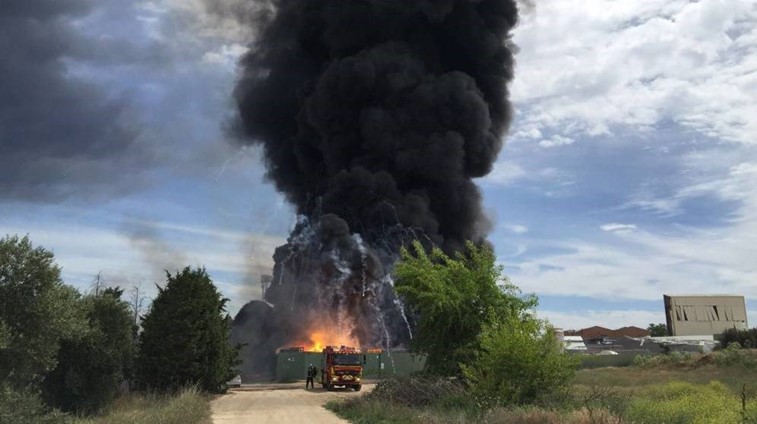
374	117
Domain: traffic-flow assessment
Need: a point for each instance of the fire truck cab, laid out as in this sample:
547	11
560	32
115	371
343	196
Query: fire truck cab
342	367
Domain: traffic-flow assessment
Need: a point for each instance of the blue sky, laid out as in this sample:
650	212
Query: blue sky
630	170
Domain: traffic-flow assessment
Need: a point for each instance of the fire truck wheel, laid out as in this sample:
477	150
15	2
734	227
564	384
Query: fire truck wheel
357	387
329	387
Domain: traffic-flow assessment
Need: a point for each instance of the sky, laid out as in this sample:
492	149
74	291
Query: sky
630	170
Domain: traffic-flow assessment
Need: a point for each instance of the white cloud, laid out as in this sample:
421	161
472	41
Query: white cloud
618	228
556	141
518	229
586	67
227	55
505	173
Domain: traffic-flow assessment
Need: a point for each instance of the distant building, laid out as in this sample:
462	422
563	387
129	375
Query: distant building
698	315
574	344
597	334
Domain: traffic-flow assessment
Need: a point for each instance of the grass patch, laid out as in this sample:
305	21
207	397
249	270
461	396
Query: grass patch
694	388
188	407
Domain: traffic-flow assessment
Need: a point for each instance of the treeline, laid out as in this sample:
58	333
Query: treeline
64	352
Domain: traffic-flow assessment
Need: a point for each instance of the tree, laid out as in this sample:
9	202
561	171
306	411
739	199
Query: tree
185	336
137	302
454	299
91	367
472	321
658	330
36	311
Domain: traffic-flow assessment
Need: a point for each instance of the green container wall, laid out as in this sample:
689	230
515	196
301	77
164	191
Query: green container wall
292	366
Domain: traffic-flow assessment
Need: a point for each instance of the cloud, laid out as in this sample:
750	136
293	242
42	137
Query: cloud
505	173
518	229
59	134
618	228
587	68
556	141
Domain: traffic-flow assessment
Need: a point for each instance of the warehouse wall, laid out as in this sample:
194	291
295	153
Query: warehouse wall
704	315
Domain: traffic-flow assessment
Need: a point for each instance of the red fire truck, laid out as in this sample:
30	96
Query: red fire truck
342	366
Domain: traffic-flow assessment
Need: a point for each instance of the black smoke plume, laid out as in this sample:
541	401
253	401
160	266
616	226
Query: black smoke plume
375	116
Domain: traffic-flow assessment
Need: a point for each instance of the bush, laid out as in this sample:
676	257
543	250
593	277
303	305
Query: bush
420	390
745	338
24	407
672	358
90	368
520	361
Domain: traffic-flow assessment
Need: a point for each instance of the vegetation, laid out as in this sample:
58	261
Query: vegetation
37	311
472	322
185	337
454	300
697	388
189	406
745	338
658	330
61	351
520	360
92	365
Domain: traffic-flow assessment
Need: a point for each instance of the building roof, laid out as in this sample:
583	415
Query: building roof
598	332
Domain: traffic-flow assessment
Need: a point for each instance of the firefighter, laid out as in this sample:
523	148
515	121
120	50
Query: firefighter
312	372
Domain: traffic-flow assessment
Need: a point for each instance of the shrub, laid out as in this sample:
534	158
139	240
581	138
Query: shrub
25	407
745	338
519	362
419	390
91	367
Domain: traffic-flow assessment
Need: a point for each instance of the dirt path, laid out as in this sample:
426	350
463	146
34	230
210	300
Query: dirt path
276	404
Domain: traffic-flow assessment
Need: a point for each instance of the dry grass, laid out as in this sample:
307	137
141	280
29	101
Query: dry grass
188	407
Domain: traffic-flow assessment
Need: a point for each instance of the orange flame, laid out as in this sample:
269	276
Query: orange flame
322	334
320	338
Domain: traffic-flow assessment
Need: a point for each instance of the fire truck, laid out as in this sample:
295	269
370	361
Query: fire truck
342	367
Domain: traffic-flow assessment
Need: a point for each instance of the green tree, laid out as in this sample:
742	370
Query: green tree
36	311
520	360
91	367
185	336
658	330
454	299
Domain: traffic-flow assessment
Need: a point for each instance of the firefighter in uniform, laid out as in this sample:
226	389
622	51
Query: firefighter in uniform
312	372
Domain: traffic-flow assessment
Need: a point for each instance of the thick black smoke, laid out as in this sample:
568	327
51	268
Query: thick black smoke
375	117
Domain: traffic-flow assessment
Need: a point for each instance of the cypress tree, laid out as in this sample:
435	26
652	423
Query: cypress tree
185	336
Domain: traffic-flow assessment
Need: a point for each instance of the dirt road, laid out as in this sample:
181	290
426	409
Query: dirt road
278	404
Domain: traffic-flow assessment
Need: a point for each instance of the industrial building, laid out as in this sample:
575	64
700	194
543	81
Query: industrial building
699	315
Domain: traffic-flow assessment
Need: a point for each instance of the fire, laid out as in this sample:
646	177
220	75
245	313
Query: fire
320	338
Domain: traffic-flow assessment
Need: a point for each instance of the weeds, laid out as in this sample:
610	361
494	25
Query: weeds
188	407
